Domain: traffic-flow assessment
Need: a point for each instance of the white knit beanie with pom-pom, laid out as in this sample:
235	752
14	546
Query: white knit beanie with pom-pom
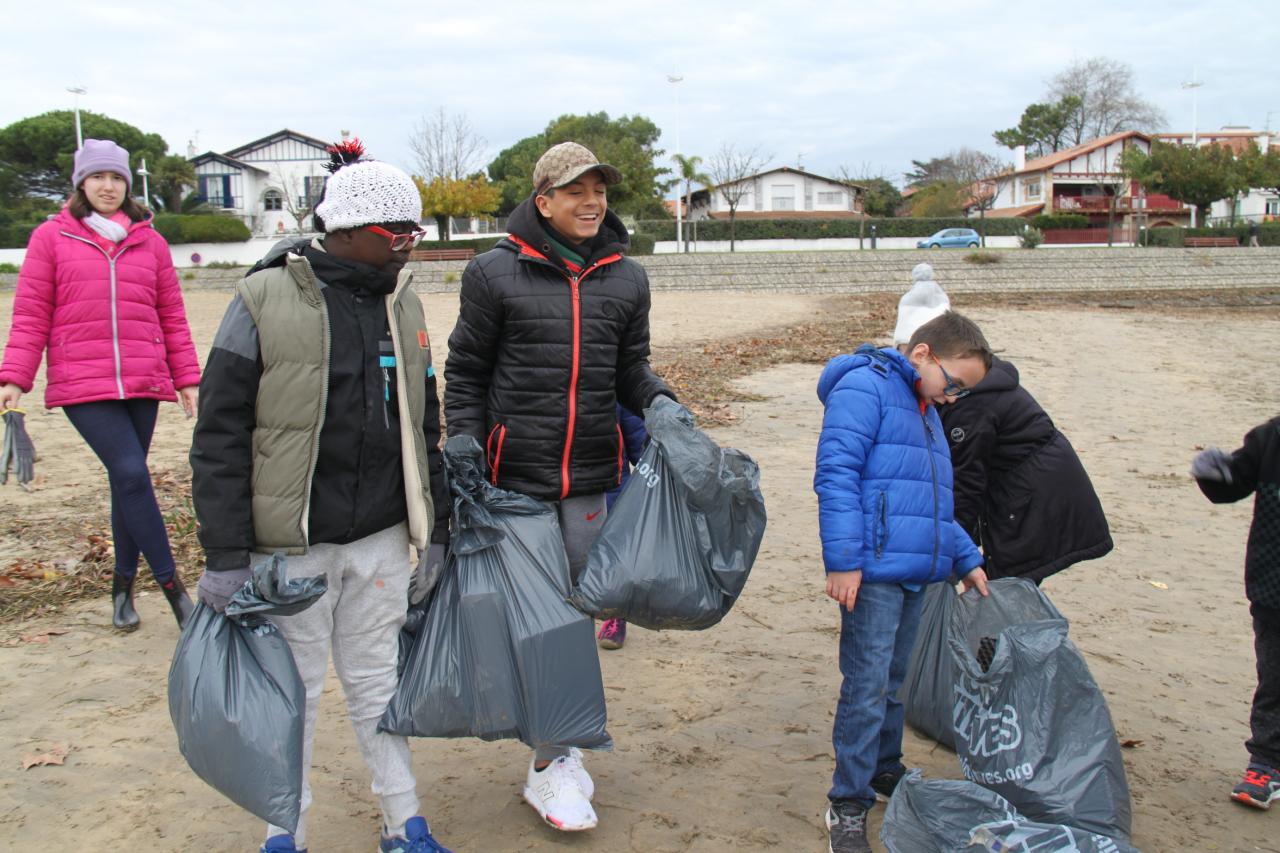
924	301
369	193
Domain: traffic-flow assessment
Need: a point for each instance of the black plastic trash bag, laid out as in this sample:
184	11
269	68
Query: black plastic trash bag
1031	723
680	540
1023	836
938	816
500	653
928	690
236	699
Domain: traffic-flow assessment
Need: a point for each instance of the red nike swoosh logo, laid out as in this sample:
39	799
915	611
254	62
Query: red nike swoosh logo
592	516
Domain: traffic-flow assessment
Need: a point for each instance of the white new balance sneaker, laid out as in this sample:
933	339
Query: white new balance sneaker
554	792
580	773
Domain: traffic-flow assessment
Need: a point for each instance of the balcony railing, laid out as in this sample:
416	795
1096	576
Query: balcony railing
1126	203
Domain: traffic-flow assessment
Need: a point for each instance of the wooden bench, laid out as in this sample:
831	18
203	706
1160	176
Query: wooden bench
442	254
1210	242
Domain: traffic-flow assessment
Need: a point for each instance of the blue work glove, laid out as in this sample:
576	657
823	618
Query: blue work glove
427	573
1212	464
216	588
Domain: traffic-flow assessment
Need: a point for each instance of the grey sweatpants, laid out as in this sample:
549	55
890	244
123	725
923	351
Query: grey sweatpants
359	617
581	518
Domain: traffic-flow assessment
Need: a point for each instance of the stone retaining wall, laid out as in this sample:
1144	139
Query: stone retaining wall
868	271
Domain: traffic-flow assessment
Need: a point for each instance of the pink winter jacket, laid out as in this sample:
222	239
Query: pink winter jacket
114	325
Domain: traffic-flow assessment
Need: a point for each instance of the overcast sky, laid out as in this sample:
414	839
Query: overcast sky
876	85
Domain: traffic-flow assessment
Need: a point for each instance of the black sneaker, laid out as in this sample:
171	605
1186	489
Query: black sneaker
886	783
1259	787
847	827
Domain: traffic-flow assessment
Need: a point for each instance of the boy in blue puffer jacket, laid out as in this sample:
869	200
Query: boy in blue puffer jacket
885	512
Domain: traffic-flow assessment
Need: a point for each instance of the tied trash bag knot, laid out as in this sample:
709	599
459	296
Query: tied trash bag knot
236	699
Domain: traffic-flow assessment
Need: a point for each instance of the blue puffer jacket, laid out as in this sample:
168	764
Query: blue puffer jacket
883	475
634	438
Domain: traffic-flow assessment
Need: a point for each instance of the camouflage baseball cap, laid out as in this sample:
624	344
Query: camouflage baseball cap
564	163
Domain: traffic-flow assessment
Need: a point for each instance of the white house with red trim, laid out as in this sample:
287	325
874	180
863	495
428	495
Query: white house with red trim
1257	205
1084	180
269	183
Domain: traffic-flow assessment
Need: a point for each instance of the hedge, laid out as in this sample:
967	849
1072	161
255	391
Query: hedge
196	228
1054	221
1268	234
816	229
481	245
16	235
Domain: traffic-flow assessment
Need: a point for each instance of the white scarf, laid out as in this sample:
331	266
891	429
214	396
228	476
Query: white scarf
109	230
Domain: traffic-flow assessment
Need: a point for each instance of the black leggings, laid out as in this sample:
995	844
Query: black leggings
119	432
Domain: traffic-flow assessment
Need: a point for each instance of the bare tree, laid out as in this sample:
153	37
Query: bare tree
1108	101
977	172
446	146
730	169
852	179
301	194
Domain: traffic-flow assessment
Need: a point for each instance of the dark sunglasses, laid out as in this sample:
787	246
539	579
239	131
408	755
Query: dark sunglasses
399	242
952	388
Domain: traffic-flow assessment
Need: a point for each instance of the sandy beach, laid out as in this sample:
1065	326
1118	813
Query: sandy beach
723	736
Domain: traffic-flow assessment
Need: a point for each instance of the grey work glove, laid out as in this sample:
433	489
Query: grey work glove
427	573
664	403
18	451
216	588
1212	464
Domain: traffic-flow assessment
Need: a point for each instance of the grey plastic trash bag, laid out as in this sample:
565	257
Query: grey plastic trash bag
1031	723
1022	836
500	653
677	546
928	690
236	699
938	816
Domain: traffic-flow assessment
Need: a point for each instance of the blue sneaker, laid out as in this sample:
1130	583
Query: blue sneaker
280	844
417	840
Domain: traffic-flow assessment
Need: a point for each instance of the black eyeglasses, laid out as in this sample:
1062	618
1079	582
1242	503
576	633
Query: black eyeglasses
952	388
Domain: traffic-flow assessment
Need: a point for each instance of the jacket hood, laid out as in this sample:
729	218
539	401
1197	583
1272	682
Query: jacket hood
889	358
275	256
1002	376
526	224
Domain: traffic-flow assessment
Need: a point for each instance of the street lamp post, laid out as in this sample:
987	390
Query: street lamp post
674	79
143	173
78	91
1193	84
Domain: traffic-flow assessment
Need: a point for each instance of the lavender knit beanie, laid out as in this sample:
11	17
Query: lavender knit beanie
101	155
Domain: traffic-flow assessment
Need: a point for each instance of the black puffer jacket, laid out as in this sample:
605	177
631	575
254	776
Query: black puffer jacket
1020	489
1255	469
542	353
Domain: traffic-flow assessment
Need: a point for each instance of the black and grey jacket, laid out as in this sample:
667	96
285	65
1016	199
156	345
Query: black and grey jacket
271	470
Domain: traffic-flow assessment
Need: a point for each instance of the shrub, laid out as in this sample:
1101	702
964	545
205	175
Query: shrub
1268	234
8	268
983	258
641	244
816	229
482	245
1047	221
224	265
1031	238
16	235
187	228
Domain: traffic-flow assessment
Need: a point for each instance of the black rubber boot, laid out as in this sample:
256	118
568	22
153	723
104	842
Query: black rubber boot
178	600
123	616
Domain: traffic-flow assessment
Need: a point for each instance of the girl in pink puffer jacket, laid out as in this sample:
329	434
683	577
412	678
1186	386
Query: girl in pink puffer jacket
98	291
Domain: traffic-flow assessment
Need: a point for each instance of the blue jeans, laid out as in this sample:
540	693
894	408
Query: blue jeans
119	432
875	646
